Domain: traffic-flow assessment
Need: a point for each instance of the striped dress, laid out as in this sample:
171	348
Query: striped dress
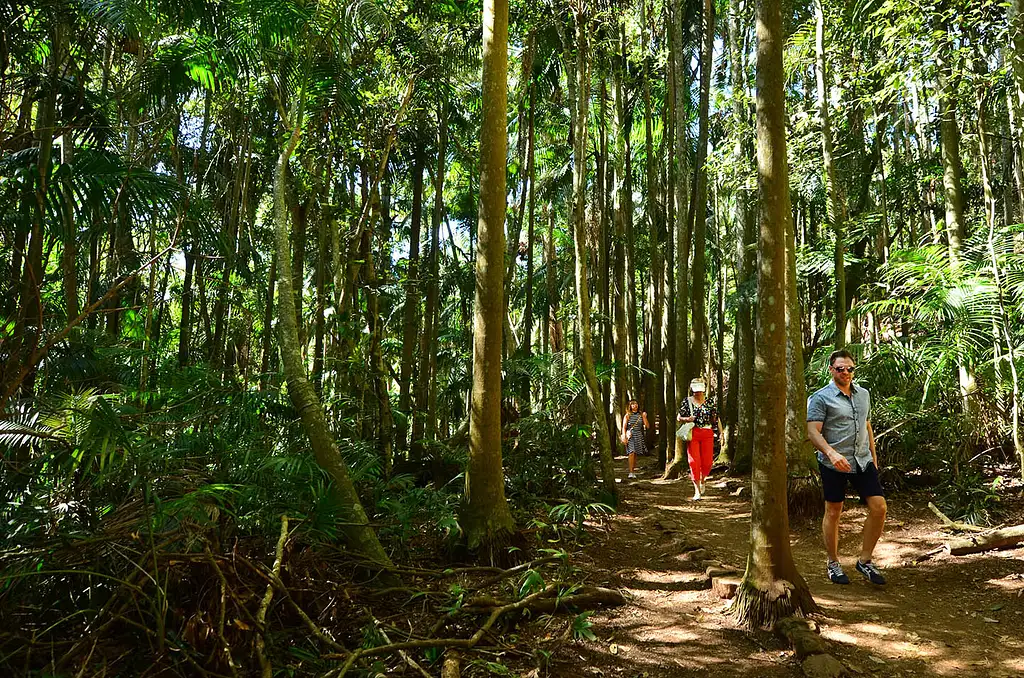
637	443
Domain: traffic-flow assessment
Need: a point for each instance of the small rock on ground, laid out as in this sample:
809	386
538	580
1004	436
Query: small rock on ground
823	666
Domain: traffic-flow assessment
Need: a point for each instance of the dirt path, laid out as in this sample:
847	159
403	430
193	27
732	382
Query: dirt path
941	617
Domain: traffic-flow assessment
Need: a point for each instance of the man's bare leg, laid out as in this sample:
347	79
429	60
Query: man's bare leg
872	527
830	528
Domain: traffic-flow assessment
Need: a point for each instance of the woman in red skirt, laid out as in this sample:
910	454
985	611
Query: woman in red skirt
701	451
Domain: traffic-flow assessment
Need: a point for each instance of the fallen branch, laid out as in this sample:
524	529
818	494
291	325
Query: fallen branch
928	554
1009	536
952	524
587	598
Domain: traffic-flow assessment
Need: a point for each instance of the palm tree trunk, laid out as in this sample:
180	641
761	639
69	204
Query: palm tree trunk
655	227
355	523
835	203
485	514
682	374
524	395
772	587
699	324
579	185
411	312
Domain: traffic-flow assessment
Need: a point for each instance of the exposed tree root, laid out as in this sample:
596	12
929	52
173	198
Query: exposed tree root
677	468
760	607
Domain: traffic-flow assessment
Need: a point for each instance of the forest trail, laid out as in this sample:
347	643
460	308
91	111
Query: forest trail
940	617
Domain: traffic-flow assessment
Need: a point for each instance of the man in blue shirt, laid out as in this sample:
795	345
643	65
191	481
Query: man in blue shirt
839	426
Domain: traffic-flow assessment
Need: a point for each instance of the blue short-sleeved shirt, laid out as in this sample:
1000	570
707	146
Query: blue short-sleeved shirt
844	420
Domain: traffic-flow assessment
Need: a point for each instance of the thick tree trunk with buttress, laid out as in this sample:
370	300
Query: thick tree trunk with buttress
485	514
772	587
356	528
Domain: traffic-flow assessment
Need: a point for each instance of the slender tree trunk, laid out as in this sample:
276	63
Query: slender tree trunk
621	329
772	587
632	340
1015	98
679	64
804	487
421	418
742	438
835	203
527	343
29	327
485	514
952	183
670	173
268	331
411	312
579	185
69	257
698	272
385	418
654	228
355	523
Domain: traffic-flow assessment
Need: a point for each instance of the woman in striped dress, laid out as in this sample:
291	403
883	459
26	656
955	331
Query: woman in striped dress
634	427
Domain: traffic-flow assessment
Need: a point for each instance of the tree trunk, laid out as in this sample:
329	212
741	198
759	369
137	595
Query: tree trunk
804	486
654	229
772	587
835	204
698	272
679	65
421	424
29	326
952	183
742	435
411	312
527	343
485	514
1015	17
268	331
579	185
632	334
620	311
355	523
385	418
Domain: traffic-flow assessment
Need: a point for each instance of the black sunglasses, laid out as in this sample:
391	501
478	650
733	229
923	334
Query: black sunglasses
840	370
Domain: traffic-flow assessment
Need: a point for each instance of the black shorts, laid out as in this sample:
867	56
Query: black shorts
833	483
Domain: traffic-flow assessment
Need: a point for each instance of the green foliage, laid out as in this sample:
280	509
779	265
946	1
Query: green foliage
582	627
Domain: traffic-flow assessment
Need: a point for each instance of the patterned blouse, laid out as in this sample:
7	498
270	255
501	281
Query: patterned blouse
705	415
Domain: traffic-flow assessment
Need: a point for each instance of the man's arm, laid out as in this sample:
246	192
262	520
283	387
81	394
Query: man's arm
871	443
819	442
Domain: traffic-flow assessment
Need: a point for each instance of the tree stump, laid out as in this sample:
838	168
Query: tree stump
725	587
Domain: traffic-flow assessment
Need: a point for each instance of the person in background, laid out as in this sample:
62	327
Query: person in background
839	426
634	427
701	411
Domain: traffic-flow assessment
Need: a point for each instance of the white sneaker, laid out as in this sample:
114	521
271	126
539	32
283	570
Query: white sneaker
696	496
632	475
702	487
